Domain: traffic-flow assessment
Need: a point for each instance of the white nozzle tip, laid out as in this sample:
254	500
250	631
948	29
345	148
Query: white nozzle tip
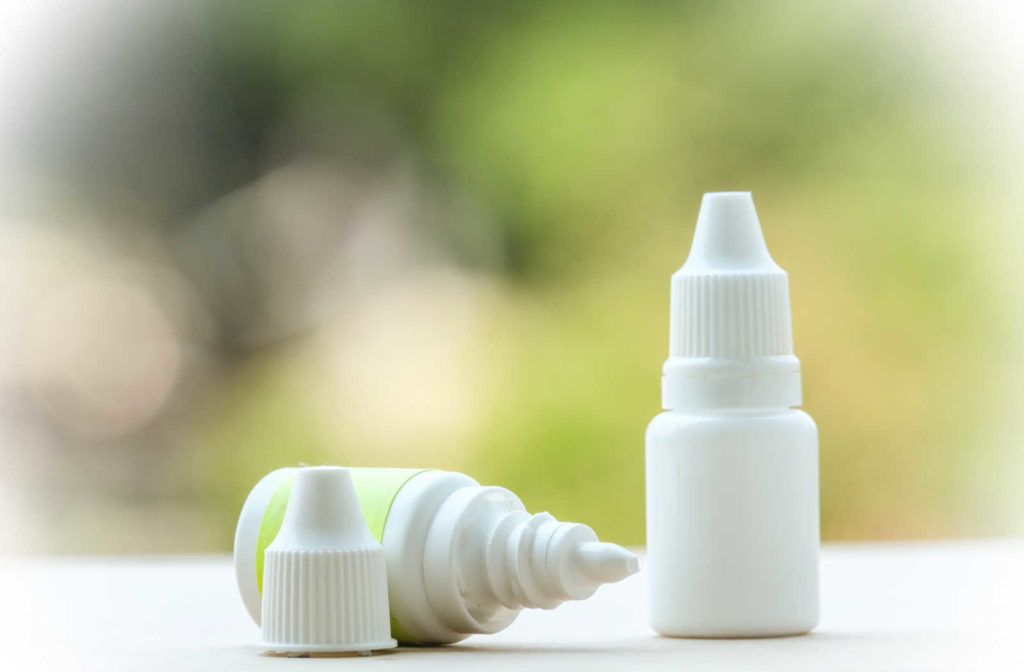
607	563
728	235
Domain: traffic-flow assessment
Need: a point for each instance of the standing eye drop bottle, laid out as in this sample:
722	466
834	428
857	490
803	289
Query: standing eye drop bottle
732	465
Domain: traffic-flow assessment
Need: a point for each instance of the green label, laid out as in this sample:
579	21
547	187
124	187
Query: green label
376	490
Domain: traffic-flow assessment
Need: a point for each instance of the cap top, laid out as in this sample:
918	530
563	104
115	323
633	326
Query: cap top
728	236
323	513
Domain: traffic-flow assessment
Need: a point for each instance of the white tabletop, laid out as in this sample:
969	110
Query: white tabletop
953	606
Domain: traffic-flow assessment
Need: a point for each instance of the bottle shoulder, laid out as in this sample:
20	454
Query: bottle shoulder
668	424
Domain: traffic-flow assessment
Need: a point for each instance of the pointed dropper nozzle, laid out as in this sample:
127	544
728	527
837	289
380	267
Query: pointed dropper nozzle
606	563
728	236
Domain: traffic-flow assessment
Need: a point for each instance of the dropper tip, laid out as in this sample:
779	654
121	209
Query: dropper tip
607	563
728	235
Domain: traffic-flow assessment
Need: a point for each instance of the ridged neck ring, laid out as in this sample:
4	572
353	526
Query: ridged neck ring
701	383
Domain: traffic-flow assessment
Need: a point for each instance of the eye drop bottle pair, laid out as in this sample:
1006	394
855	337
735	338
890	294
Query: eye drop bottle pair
732	464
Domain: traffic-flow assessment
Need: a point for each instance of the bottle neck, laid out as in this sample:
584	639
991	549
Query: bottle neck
454	559
485	558
704	383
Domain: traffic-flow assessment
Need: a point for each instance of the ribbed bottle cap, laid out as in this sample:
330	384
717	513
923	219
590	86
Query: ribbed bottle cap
324	575
731	340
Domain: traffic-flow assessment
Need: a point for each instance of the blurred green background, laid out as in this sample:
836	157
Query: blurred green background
237	236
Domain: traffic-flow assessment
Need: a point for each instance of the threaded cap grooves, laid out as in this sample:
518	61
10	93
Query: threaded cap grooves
730	315
315	599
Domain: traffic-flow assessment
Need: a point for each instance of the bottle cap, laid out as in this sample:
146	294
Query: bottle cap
731	339
324	576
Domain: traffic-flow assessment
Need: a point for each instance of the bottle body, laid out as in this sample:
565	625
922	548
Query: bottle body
732	523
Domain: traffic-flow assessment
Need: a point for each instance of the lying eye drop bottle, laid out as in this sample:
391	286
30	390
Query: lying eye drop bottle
462	558
732	466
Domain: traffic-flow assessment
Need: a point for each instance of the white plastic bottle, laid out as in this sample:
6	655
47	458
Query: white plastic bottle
732	465
462	558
